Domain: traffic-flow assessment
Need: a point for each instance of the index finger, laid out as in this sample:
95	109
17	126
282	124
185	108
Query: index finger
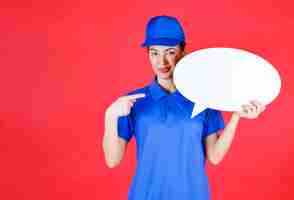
136	96
257	103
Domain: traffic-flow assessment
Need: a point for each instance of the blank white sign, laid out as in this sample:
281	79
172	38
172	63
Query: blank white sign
225	78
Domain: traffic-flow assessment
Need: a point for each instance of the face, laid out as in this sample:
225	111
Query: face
164	59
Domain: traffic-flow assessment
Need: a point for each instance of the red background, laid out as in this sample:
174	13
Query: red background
63	62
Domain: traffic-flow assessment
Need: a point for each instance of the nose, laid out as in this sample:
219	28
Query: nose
162	61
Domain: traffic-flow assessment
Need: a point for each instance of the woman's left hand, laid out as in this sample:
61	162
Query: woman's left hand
251	111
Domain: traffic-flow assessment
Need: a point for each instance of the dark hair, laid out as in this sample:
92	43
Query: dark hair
182	45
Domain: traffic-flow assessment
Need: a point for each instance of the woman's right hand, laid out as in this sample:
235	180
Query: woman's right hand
122	106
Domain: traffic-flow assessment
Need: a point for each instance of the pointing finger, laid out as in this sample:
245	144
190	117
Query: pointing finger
136	96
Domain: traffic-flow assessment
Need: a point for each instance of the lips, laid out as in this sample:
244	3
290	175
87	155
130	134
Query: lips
164	69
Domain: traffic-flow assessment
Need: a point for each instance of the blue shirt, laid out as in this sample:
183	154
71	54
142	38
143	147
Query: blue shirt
170	145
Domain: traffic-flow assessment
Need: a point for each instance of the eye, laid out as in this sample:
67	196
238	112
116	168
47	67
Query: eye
171	52
153	53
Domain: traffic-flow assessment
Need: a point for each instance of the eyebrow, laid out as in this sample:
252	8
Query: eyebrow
172	48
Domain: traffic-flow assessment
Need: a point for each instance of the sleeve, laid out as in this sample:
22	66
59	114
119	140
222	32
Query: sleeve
213	122
125	127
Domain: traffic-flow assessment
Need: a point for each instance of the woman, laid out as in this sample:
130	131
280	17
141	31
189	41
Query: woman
171	147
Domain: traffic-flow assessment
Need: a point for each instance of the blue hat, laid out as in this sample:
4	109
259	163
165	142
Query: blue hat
163	30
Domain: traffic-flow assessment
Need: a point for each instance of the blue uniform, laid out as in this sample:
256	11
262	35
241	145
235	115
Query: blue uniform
170	145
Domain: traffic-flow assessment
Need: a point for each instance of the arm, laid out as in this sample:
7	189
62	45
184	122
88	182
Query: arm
113	146
217	146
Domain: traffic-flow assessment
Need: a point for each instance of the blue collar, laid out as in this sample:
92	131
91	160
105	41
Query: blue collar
158	92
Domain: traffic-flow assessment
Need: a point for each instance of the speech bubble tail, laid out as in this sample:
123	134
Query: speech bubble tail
197	109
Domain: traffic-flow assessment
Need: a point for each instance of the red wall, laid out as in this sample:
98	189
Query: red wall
63	62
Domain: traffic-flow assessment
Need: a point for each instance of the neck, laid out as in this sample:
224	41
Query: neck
167	84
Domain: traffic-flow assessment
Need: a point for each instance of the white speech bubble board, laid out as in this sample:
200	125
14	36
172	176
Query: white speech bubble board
225	78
